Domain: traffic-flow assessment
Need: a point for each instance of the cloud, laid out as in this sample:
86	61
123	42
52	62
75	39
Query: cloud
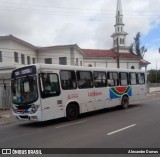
153	56
89	23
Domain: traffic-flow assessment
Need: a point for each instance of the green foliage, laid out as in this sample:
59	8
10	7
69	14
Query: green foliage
154	76
136	46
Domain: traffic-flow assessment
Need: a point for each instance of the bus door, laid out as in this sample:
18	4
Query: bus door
51	99
85	90
86	98
141	82
101	92
100	96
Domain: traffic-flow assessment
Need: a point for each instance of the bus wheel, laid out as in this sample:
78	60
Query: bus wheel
72	112
125	102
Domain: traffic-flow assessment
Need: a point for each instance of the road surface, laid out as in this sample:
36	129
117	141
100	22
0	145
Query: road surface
136	127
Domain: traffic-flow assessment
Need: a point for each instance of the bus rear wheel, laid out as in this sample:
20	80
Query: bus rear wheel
125	102
72	112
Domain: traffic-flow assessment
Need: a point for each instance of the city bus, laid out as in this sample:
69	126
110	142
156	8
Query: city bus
42	92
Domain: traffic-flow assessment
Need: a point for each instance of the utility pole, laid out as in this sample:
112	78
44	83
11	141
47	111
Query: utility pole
156	71
117	54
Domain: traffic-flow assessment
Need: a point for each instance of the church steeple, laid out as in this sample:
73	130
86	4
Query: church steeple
119	15
119	28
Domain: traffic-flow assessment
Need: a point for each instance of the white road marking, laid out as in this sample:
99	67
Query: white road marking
121	129
132	109
61	126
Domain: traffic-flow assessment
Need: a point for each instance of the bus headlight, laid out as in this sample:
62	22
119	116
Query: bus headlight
33	108
14	109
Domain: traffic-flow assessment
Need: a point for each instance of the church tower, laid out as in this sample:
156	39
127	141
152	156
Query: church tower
119	34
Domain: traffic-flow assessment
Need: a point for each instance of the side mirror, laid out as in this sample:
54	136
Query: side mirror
4	86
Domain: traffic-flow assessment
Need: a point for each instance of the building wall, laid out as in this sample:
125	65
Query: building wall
74	56
111	63
8	47
79	59
70	53
54	54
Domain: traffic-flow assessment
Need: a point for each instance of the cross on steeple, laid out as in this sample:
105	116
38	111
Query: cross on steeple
119	28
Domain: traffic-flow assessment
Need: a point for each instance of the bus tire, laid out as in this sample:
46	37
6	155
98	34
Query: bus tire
125	102
72	112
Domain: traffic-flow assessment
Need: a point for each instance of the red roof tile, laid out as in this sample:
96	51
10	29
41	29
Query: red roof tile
144	62
108	53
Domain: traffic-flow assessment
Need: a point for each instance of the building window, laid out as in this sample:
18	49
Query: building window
16	57
0	56
121	41
63	60
132	67
120	20
22	59
48	60
81	63
89	65
33	60
77	61
28	60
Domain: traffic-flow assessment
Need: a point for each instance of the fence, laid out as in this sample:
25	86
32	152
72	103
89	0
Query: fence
5	97
154	84
154	87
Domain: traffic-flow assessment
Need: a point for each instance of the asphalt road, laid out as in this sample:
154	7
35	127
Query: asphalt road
136	127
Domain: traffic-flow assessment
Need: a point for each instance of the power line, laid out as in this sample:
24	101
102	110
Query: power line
93	18
70	8
98	14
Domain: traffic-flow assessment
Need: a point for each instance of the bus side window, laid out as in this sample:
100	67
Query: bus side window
85	79
68	79
133	78
112	79
123	78
141	78
49	85
99	79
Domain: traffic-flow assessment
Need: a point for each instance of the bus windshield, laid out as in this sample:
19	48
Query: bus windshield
24	90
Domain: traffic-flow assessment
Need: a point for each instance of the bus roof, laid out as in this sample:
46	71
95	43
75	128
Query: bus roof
70	67
50	67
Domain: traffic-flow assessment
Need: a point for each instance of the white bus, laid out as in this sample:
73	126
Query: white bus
43	92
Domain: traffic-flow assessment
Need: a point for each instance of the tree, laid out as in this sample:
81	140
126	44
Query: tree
154	76
136	46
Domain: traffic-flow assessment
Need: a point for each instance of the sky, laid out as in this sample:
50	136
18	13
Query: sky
88	23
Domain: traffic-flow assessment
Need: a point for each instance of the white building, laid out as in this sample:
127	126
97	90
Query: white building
15	52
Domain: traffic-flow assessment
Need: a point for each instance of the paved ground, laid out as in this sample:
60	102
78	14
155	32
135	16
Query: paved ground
6	116
136	127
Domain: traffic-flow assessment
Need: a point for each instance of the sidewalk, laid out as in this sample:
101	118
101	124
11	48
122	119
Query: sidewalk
6	116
